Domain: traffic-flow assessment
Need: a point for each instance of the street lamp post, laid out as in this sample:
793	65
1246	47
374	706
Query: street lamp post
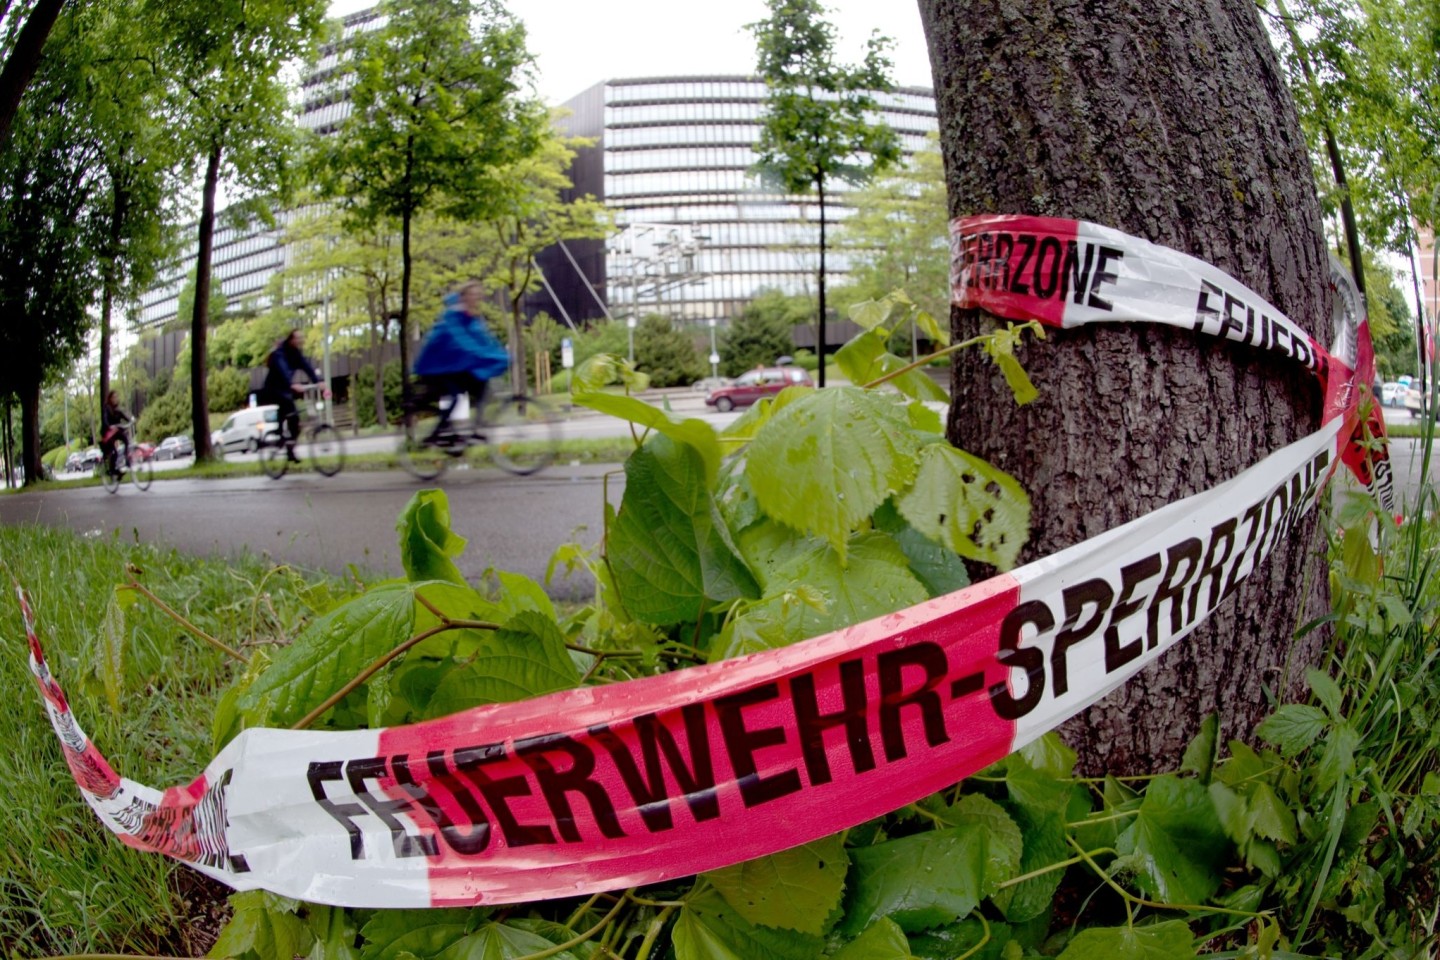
714	354
630	325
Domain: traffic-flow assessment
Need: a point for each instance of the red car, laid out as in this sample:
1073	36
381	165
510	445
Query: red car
142	451
755	384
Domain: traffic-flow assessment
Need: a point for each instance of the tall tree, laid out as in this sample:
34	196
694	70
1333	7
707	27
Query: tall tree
899	234
50	171
1171	122
818	125
436	117
227	58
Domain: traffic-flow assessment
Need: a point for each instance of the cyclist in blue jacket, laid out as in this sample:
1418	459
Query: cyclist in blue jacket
460	354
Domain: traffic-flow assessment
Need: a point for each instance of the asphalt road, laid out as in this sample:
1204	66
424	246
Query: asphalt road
512	523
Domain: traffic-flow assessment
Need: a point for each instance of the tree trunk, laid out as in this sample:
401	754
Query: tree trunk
23	60
200	317
7	442
30	451
405	309
377	317
1168	120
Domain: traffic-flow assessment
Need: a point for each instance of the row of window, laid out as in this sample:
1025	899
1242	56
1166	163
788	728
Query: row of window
712	296
730	89
672	158
707	133
624	272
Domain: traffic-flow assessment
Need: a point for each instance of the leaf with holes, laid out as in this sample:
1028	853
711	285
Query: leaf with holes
963	502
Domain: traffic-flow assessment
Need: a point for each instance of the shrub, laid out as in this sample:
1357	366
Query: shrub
362	393
762	331
666	354
229	388
166	415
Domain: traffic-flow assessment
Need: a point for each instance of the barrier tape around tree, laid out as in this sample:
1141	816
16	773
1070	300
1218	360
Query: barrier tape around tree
600	788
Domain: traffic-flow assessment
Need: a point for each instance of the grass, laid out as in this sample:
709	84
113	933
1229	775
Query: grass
66	885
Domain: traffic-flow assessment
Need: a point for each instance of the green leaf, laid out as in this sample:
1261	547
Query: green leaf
921	881
1171	940
1338	757
882	940
517	593
932	328
500	941
707	929
870	314
692	432
334	933
1050	755
963	502
262	926
525	658
1199	757
1176	845
1045	845
795	889
824	463
329	653
391	934
1000	347
939	568
669	548
427	544
810	592
1327	691
113	637
1293	727
865	359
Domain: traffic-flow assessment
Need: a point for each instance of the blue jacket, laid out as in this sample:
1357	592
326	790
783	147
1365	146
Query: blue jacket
460	343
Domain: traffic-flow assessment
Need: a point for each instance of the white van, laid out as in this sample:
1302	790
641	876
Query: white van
247	429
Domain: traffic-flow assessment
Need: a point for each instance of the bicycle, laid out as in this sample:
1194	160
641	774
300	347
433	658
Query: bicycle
519	433
324	448
122	460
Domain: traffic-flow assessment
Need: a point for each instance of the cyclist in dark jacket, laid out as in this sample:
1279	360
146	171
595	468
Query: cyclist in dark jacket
112	425
284	361
460	354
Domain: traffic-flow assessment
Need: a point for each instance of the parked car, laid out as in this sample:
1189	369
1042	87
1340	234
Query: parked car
90	459
74	462
173	448
247	429
757	384
710	384
1392	394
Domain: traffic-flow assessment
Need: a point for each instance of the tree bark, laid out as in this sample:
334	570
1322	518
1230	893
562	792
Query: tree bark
1169	120
200	316
30	451
23	60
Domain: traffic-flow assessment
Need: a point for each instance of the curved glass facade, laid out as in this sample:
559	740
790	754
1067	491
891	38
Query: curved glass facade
700	233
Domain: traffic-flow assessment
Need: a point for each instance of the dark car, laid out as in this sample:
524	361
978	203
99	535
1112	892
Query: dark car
172	448
757	384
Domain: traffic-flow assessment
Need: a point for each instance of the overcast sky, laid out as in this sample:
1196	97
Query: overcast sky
579	42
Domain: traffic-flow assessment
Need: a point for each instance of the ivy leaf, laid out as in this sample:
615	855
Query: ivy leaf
693	433
968	505
1050	755
865	359
921	881
1293	727
1171	940
669	548
262	926
395	934
882	940
795	889
427	544
1176	846
707	929
329	653
525	658
1199	757
823	463
810	592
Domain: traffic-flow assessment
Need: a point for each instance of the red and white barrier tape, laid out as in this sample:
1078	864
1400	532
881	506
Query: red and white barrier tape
600	788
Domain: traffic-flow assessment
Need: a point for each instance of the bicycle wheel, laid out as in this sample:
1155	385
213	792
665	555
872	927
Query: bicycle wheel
327	450
141	473
420	457
109	477
273	460
523	433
